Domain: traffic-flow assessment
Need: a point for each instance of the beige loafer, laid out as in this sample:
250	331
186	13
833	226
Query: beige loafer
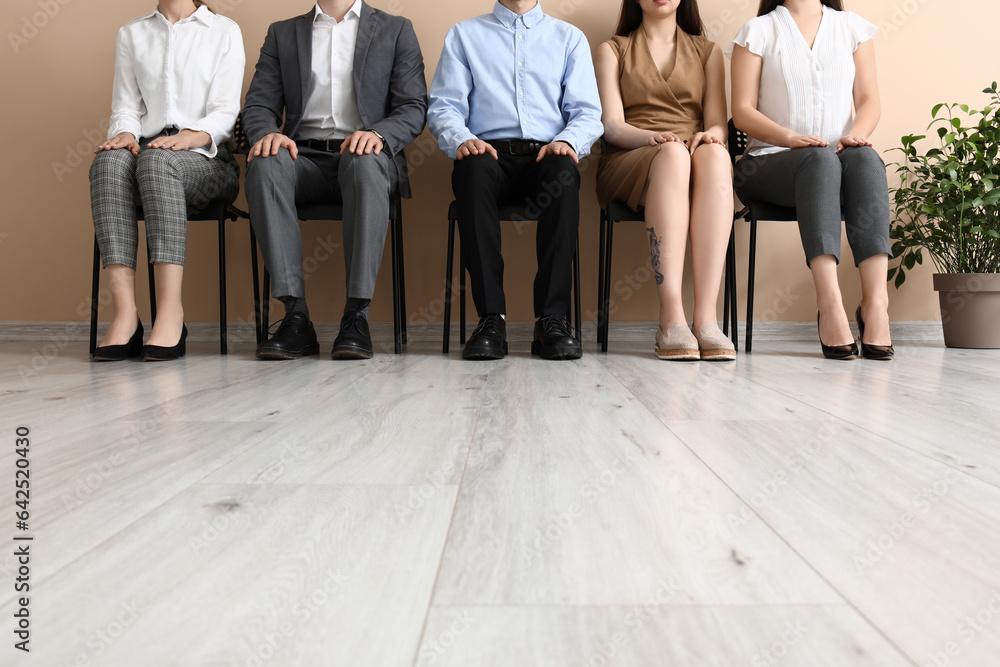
678	344
714	345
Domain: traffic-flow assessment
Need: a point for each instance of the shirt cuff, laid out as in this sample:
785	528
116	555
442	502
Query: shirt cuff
118	128
571	140
208	151
455	139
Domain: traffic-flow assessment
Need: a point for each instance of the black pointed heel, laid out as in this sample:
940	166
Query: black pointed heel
837	352
876	352
133	348
159	353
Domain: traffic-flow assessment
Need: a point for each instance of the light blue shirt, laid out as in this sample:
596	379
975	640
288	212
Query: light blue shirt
504	76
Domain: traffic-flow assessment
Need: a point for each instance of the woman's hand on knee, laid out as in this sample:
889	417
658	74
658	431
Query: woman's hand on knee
124	140
703	138
852	140
806	140
184	140
657	138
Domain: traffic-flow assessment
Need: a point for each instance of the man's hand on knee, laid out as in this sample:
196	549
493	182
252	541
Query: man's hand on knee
362	142
558	148
475	147
271	144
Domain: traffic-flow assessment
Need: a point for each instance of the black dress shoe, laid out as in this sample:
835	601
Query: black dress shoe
133	348
489	340
837	352
876	352
294	339
160	353
354	340
554	339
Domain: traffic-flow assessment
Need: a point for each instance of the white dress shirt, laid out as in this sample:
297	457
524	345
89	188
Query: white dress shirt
809	91
331	108
187	75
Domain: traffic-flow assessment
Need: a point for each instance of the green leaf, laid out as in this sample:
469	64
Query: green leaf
938	107
900	279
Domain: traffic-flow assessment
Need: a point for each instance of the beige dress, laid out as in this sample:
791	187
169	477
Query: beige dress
674	104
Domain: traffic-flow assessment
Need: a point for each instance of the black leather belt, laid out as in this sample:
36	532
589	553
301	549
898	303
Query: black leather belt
516	146
327	145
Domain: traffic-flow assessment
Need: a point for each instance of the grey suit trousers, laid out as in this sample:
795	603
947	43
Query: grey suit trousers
362	183
826	188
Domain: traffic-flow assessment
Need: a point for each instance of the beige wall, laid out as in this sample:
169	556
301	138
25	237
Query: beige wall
56	100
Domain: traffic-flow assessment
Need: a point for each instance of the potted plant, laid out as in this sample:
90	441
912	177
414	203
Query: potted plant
948	203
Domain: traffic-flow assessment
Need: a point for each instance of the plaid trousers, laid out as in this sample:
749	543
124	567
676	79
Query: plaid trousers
165	183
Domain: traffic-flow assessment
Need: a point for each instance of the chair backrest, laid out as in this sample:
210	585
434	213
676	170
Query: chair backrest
240	138
738	140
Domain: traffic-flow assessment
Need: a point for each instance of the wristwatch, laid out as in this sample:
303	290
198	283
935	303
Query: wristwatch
375	132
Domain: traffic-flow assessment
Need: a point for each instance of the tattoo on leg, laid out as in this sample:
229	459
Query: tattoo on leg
654	254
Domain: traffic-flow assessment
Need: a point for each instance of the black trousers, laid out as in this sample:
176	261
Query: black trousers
550	191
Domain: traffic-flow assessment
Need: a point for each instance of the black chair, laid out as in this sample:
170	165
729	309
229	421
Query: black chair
308	212
619	212
752	212
516	213
217	211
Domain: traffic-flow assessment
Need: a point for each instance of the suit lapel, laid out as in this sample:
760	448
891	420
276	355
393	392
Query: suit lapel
366	30
303	38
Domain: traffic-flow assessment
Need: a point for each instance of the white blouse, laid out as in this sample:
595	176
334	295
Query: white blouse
187	75
809	91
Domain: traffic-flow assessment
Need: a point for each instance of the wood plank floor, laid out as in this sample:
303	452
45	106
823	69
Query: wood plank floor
420	510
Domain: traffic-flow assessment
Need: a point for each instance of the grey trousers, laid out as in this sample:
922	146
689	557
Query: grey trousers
166	183
363	183
825	187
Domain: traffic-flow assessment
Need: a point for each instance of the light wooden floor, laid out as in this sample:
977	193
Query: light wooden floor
420	510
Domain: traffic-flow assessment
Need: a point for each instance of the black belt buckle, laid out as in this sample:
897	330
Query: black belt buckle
521	147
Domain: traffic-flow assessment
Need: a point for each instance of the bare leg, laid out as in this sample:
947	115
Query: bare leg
668	212
834	329
711	222
169	310
875	299
121	282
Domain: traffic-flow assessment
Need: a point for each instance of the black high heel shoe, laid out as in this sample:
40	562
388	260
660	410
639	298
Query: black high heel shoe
159	353
838	352
133	348
877	352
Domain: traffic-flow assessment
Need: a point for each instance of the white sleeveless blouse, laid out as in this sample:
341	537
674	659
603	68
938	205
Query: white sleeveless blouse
809	91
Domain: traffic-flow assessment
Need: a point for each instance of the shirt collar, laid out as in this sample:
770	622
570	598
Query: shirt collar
507	17
203	14
355	9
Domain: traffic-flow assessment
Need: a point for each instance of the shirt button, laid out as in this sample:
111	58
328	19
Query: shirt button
520	36
520	64
522	93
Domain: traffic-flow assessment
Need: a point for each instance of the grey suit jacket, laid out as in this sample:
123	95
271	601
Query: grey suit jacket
388	82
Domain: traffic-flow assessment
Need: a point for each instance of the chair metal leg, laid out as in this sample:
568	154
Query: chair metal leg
402	271
576	292
600	278
731	272
726	296
95	289
607	284
265	297
396	313
152	290
461	292
750	281
256	284
223	314
448	274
